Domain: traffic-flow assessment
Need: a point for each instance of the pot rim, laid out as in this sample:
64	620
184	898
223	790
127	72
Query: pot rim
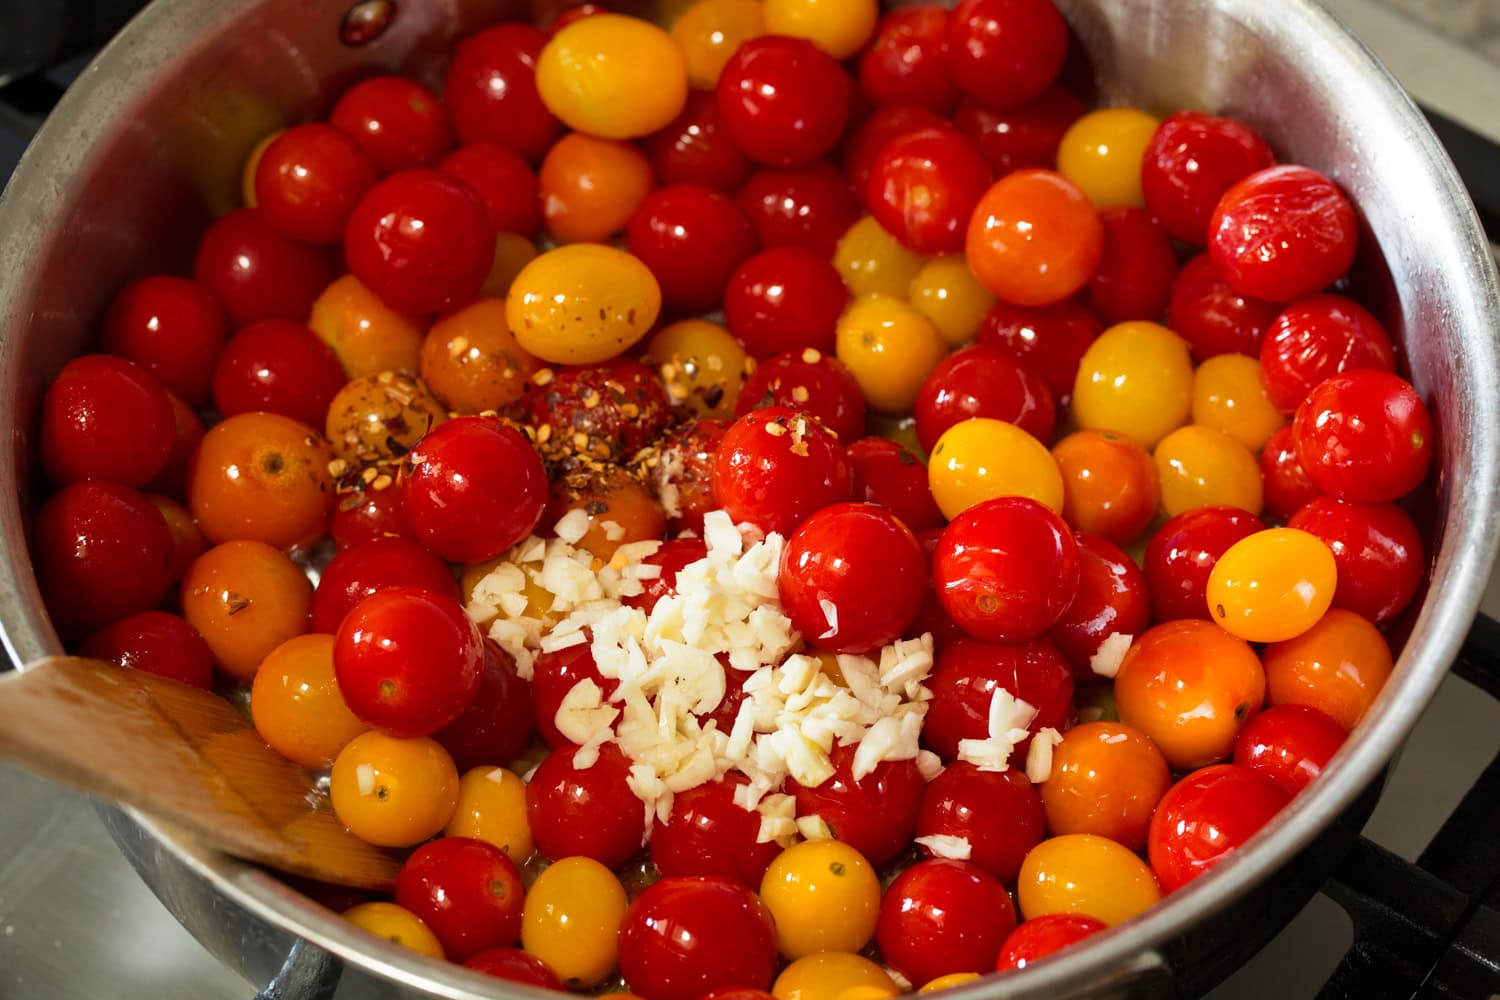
50	173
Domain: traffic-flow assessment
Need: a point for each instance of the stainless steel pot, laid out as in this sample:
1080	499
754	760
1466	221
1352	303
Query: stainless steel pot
148	142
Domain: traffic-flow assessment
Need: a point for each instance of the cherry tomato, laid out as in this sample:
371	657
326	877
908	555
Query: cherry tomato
685	937
809	206
1134	276
496	726
1110	484
585	811
998	813
572	920
264	477
776	467
954	302
1287	486
375	421
366	514
708	833
296	704
695	147
1189	686
1207	815
256	272
466	891
1338	667
1034	238
396	121
693	239
1102	153
839	27
590	188
1005	52
1023	135
1282	233
923	188
784	300
421	240
372	566
472	361
515	965
875	813
873	262
392	792
982	381
1290	744
1192	159
683	477
869	137
369	337
1364	436
188	542
1273	585
824	897
582	304
277	366
1106	780
885	473
834	975
783	100
574	12
812	382
889	347
1203	467
1317	338
982	459
308	181
171	327
1182	554
603	412
1377	549
612	76
1112	598
941	917
491	90
1212	317
1006	569
1049	340
1039	937
157	643
905	62
245	599
389	921
503	180
1229	396
620	509
1085	875
966	676
105	418
701	365
1136	379
492	808
709	32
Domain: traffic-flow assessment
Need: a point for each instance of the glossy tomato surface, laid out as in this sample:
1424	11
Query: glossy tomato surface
940	917
1207	815
685	937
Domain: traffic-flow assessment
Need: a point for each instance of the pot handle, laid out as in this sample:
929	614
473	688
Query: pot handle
309	973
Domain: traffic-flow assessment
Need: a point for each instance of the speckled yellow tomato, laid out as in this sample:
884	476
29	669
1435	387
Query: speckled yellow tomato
392	792
571	920
980	459
492	807
889	348
949	981
947	293
393	923
833	975
838	27
1082	873
612	76
1102	153
824	896
709	31
1136	379
247	176
1202	467
582	304
702	365
1273	585
872	262
1228	395
368	336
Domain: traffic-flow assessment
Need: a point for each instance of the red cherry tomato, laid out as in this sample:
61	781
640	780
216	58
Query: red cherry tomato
106	418
1191	161
982	381
923	188
278	366
1287	488
1021	136
373	566
515	965
875	814
776	467
1317	338
369	514
696	148
590	811
1290	744
1204	817
1005	52
475	488
397	122
102	553
885	473
1364	436
491	90
1034	238
708	833
1377	549
554	674
496	726
1282	233
941	917
467	892
1112	597
257	273
783	100
188	432
686	472
812	382
1212	317
966	676
157	643
685	937
408	660
308	180
809	207
505	183
870	137
1182	554
933	618
998	812
693	239
171	327
1006	569
577	12
1039	937
1134	276
905	64
785	299
421	240
620	406
1049	340
670	558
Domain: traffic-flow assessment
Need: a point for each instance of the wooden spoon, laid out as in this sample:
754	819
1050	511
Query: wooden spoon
183	754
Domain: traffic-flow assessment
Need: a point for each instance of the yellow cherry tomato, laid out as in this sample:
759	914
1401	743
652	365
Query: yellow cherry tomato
702	365
247	177
512	253
1228	395
838	27
393	923
492	807
889	348
1102	153
708	33
980	459
612	76
296	704
571	920
824	896
1273	585
1082	873
949	981
368	336
947	293
392	792
583	303
871	262
1203	467
833	975
1135	379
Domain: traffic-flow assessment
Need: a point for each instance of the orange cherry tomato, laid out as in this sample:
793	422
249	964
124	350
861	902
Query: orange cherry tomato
1338	667
1034	238
492	807
472	362
1106	780
262	477
620	509
1273	585
1204	467
393	792
1080	873
1110	484
245	598
368	336
393	923
591	187
296	704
